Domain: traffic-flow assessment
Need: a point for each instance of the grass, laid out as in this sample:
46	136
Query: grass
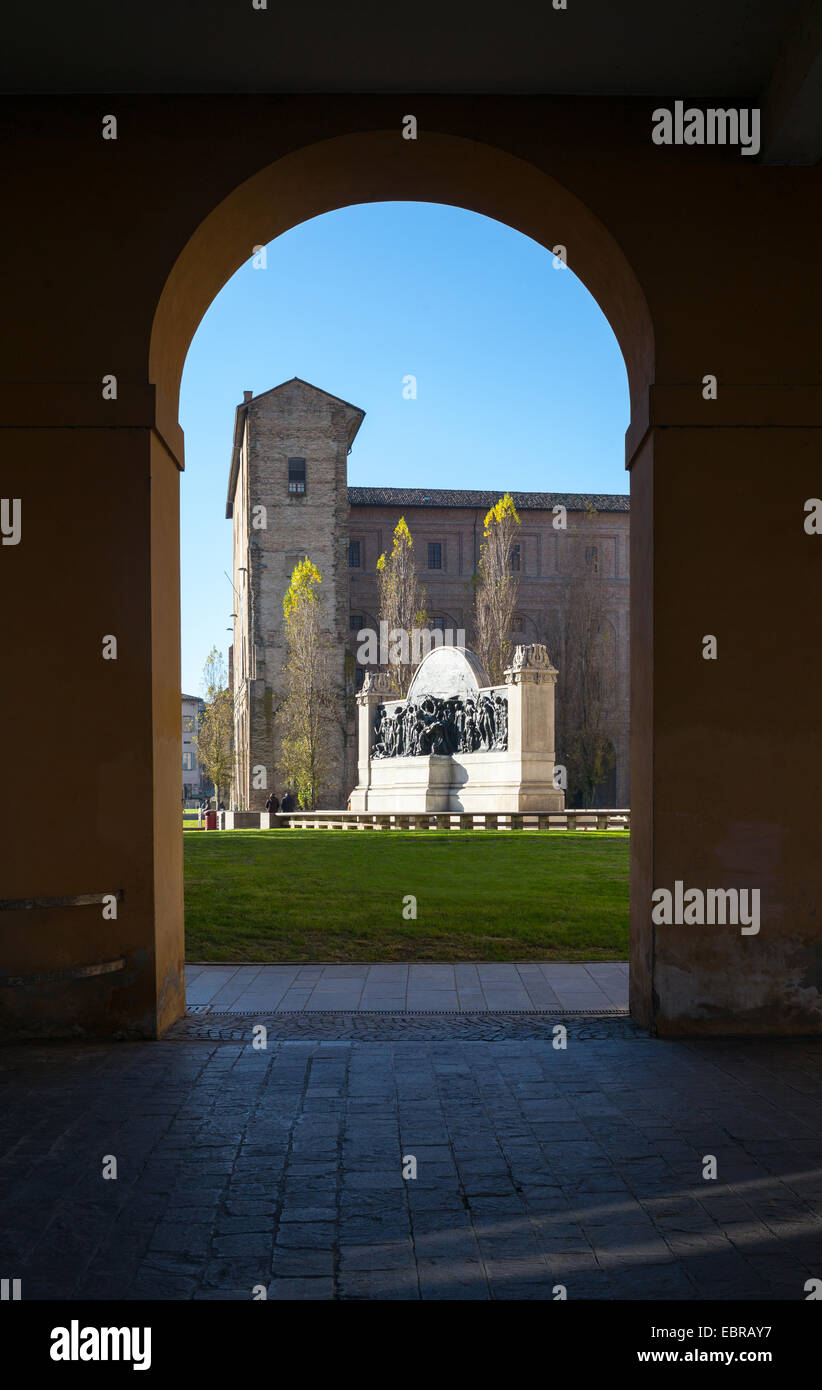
324	895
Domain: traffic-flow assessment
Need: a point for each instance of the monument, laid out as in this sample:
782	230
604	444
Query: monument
457	743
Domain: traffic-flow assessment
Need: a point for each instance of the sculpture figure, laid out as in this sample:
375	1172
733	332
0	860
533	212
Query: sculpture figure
485	722
501	734
471	727
442	727
378	743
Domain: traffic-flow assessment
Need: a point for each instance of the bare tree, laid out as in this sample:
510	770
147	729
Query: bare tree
497	586
581	644
402	603
213	741
309	710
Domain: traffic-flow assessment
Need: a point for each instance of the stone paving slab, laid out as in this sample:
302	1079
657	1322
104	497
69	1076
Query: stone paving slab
462	987
536	1165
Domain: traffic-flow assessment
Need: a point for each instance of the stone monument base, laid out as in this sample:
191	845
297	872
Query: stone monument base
414	753
481	782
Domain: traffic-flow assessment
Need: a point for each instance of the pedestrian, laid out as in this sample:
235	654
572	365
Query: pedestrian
272	805
288	803
221	806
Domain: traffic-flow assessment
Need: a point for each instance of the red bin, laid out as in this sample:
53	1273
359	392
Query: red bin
211	820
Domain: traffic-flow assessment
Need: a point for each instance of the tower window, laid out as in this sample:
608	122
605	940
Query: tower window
296	477
434	555
353	555
356	622
592	558
516	557
438	624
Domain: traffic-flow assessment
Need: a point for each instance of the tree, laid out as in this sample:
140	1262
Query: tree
402	603
582	648
214	740
309	712
496	589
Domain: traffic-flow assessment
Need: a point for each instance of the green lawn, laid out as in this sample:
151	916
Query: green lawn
326	895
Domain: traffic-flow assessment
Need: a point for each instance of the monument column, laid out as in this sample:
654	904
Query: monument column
530	705
376	686
531	681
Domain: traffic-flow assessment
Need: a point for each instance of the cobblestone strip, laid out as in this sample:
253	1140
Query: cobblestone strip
392	1027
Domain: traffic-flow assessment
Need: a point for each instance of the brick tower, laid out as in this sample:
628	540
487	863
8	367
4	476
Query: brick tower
287	498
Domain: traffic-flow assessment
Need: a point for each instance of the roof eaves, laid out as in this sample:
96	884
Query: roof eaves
239	418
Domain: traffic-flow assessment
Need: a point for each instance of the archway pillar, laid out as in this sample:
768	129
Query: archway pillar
718	549
91	926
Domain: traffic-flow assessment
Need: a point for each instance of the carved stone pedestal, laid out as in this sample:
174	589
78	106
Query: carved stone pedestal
517	777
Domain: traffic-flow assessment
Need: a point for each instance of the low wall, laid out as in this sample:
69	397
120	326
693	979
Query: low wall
449	820
619	819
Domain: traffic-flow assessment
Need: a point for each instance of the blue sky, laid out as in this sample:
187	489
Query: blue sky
520	381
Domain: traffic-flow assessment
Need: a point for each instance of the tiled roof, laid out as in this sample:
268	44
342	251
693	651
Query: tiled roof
467	497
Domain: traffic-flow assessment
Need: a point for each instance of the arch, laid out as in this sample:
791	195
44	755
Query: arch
369	620
187	222
529	626
344	171
379	166
449	619
446	671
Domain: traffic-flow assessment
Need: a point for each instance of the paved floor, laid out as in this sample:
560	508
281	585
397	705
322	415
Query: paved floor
536	1166
466	988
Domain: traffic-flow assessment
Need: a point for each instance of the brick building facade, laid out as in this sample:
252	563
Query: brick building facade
288	497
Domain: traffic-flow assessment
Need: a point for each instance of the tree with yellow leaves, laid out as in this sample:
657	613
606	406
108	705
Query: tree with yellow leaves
308	713
496	589
402	603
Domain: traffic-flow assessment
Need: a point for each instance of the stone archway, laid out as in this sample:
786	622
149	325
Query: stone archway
673	245
380	167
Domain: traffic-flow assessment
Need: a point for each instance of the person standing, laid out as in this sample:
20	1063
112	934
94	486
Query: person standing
272	805
288	803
